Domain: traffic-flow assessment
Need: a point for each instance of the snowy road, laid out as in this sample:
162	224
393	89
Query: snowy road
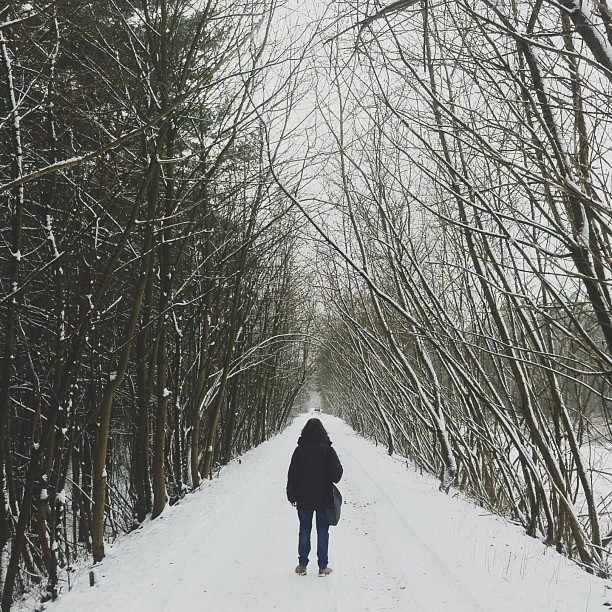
401	545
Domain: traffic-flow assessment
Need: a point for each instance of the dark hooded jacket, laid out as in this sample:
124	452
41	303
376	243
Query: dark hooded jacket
314	466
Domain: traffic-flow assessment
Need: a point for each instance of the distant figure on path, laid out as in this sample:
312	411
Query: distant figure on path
314	466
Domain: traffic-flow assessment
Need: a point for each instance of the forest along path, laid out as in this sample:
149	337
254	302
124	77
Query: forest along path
400	545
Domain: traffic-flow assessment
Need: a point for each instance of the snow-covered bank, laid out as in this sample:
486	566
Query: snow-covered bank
400	545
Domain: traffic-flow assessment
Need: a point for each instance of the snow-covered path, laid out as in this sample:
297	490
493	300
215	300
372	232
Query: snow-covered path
401	545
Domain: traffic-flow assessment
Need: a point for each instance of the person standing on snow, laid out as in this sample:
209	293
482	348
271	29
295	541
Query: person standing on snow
314	466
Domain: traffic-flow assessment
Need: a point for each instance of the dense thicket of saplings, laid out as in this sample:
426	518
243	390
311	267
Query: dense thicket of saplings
152	323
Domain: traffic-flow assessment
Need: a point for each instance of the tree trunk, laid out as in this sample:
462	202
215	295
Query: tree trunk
99	467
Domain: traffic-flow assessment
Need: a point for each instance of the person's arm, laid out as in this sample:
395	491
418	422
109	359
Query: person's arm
292	478
334	466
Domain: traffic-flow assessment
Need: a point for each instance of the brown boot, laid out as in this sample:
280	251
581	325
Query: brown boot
325	571
300	570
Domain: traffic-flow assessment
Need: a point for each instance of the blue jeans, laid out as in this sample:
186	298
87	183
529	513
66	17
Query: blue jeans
305	517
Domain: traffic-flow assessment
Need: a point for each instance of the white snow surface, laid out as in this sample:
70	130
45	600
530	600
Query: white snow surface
400	545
